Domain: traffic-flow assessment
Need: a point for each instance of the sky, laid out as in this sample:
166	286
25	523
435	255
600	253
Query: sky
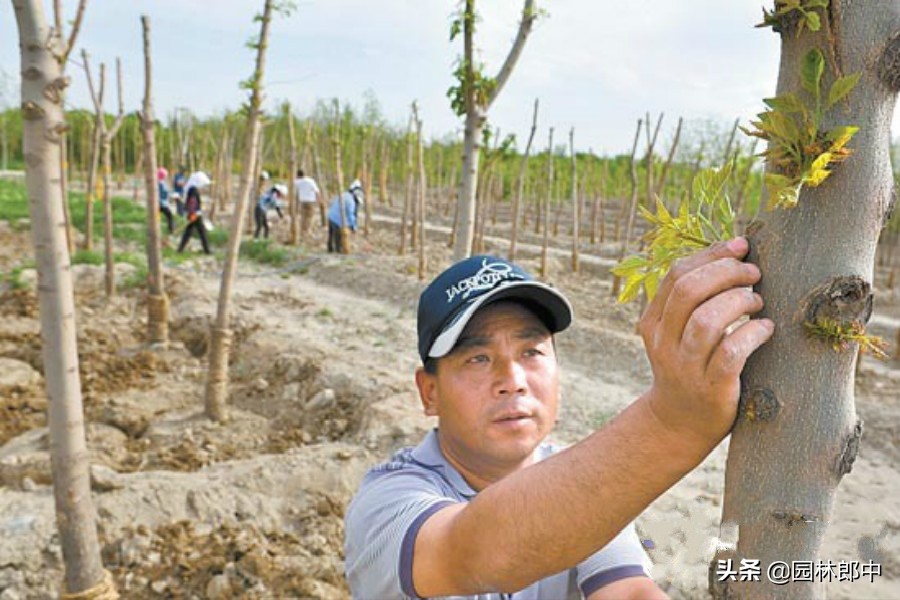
596	66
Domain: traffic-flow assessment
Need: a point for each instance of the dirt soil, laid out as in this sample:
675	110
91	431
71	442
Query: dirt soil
321	389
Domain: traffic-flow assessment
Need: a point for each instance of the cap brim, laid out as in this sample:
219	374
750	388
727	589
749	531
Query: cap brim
557	308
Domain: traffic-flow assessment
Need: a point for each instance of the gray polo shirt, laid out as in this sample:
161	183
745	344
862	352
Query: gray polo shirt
396	497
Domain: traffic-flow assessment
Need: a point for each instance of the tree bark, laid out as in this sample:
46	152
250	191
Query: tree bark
797	431
43	121
221	334
157	300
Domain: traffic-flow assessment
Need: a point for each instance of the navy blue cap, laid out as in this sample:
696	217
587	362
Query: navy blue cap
450	301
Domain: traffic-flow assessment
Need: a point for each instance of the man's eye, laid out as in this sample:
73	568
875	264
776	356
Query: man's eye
534	352
477	358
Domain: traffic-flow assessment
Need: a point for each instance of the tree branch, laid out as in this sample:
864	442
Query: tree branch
120	116
97	100
529	15
73	35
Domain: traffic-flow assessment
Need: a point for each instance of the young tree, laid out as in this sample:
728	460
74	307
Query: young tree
221	334
472	97
157	300
546	212
106	137
520	188
576	204
42	82
632	210
797	432
294	236
420	193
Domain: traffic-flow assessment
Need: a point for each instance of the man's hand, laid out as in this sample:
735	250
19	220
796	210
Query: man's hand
695	357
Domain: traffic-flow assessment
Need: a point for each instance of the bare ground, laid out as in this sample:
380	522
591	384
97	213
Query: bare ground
321	389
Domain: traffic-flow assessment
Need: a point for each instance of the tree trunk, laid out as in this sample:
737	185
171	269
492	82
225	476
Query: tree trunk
42	121
797	432
420	189
623	250
110	270
294	237
576	204
546	211
157	300
410	182
90	193
520	187
671	157
465	229
221	334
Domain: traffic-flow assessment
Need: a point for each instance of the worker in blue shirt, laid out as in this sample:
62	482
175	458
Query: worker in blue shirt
352	199
268	200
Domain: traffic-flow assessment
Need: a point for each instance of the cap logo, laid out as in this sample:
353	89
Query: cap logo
487	277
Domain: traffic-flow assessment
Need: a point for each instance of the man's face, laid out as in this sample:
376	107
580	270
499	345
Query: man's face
496	395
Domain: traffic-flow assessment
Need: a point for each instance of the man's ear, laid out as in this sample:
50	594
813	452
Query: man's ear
428	395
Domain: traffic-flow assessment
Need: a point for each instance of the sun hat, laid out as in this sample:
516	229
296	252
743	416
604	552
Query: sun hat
281	189
198	179
454	296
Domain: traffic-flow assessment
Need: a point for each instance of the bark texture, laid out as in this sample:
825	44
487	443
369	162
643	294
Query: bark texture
797	430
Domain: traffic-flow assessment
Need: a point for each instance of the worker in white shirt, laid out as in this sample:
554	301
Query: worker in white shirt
308	196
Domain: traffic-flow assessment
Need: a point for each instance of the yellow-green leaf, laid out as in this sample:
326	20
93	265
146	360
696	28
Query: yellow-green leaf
841	88
786	103
839	136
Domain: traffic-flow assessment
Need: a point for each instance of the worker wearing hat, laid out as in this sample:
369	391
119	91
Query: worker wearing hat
484	507
352	199
193	206
271	198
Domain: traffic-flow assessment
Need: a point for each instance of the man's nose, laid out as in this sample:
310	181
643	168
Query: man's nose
510	377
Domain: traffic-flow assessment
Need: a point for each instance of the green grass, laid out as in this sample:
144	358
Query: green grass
129	226
87	257
265	253
14	277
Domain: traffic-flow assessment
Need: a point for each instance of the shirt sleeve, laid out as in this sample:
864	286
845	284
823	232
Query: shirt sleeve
623	557
382	523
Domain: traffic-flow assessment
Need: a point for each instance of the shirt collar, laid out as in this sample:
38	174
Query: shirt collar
428	453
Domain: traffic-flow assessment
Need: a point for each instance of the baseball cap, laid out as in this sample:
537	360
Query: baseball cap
450	301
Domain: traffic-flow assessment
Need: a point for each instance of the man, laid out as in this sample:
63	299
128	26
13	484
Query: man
482	508
308	197
351	200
